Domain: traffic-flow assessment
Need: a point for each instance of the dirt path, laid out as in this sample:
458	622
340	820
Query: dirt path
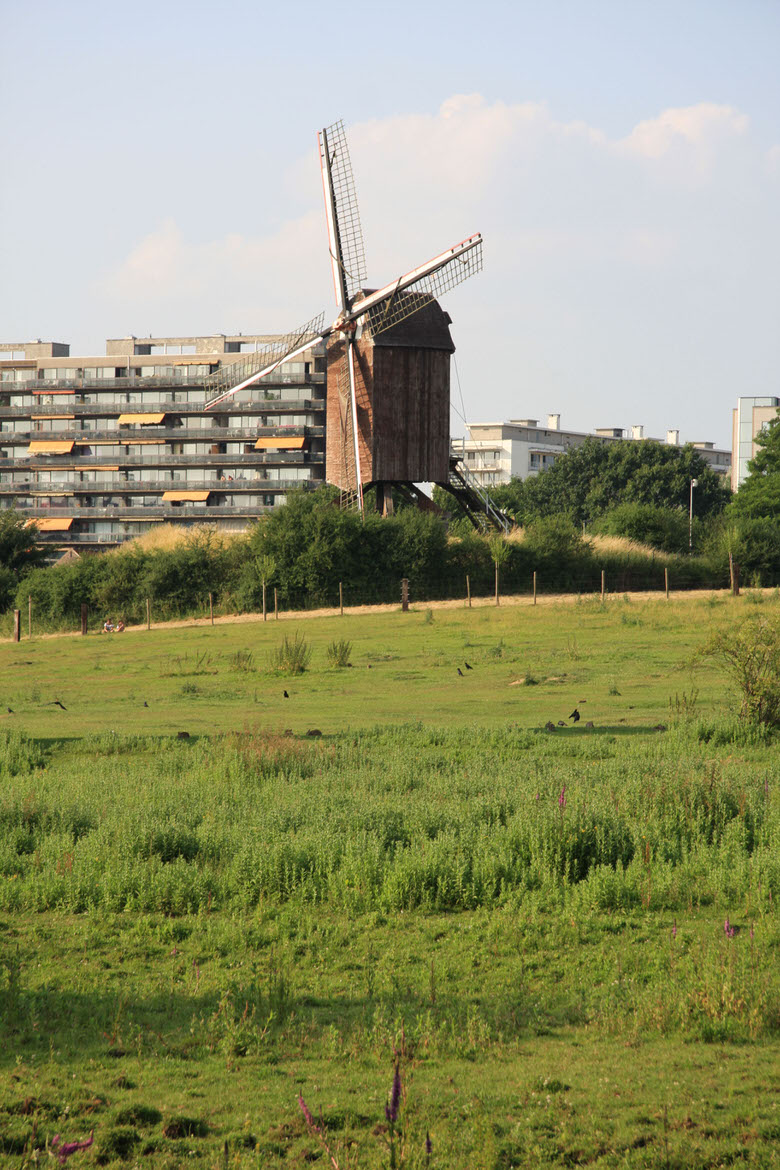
518	600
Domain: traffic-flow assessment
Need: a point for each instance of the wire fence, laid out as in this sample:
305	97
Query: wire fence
20	624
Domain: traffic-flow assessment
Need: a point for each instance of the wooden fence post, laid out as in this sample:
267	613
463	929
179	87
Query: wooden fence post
405	595
341	600
211	608
534	586
265	612
17	624
84	612
148	614
468	591
602	586
666	581
29	615
276	605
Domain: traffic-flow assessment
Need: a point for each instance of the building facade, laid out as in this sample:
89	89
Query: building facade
498	452
96	450
750	415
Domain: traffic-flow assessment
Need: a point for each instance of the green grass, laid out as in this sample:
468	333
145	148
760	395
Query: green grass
193	932
192	680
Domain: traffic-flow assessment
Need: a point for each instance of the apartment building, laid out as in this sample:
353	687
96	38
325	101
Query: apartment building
750	415
498	452
96	450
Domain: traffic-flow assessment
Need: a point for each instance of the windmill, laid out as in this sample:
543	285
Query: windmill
388	415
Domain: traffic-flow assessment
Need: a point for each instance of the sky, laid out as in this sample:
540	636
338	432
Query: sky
159	175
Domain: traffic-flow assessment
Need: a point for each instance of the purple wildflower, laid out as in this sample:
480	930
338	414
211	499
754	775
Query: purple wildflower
674	929
428	1144
306	1113
752	932
391	1109
728	929
562	799
63	1151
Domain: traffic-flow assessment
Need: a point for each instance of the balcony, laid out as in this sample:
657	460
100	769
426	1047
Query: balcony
89	409
130	434
125	487
157	512
138	383
154	457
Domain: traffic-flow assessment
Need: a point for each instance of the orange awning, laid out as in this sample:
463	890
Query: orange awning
73	391
52	525
194	497
141	419
294	443
39	417
39	447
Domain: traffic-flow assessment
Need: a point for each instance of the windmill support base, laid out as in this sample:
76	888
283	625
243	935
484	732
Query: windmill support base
384	498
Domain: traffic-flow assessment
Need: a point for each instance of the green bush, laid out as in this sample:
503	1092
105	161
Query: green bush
663	528
292	656
750	653
339	653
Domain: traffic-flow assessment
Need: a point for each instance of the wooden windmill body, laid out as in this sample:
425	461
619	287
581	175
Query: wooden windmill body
402	399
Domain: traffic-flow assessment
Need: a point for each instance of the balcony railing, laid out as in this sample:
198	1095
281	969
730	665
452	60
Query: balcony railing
149	383
129	435
149	512
88	409
135	487
154	457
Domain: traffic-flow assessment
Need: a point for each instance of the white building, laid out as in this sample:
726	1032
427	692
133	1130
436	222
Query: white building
498	452
749	417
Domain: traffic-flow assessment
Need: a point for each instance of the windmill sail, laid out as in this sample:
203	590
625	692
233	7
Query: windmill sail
237	375
344	231
395	302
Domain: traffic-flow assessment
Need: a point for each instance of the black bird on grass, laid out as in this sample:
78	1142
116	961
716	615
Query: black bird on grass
575	715
285	694
145	703
460	672
467	666
9	710
57	703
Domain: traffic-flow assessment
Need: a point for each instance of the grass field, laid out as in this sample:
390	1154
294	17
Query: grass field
567	940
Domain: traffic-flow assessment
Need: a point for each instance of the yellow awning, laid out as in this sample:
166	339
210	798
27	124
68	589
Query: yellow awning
39	447
195	497
52	525
141	419
294	443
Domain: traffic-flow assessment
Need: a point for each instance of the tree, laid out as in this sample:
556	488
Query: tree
18	553
759	495
18	550
590	480
499	551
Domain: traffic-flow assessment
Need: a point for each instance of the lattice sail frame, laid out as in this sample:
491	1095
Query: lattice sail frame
350	232
275	350
398	307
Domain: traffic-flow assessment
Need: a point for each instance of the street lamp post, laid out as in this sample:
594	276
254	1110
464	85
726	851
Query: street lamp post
694	483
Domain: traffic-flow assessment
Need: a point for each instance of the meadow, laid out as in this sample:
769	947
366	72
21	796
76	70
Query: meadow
565	939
